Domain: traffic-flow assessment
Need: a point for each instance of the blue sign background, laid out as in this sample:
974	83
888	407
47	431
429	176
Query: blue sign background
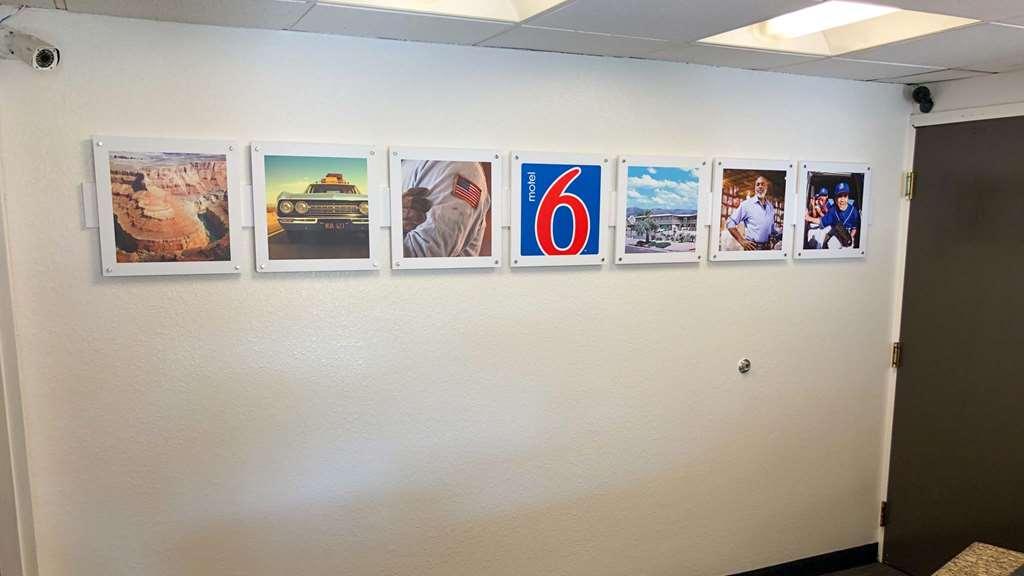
587	186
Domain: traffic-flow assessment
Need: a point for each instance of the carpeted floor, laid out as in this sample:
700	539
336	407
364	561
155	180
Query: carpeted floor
872	570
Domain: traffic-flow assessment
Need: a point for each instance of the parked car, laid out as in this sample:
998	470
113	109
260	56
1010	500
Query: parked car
332	205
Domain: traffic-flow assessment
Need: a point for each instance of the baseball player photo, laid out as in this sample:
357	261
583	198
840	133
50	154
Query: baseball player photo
753	209
832	214
446	208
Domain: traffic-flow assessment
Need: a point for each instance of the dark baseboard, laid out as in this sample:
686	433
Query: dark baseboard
822	564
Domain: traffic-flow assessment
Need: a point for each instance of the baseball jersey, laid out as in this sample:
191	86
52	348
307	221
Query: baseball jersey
458	200
849	218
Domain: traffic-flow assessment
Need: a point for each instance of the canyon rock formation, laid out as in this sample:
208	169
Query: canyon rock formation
170	207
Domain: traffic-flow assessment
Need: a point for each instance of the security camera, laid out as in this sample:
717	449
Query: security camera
923	96
16	45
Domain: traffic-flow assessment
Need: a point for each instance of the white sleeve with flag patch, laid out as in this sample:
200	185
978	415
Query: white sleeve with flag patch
459	201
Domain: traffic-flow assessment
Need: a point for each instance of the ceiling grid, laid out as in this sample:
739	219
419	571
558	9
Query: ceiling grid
664	30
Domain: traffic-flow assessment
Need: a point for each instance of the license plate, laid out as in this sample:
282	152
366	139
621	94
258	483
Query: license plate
334	225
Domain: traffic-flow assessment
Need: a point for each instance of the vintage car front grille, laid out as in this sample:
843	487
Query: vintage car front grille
332	209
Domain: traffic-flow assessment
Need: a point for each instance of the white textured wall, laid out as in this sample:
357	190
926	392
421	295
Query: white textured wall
1005	88
573	422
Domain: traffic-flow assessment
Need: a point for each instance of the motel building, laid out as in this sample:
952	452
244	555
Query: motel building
671	227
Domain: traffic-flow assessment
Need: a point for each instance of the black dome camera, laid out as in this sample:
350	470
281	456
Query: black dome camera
923	96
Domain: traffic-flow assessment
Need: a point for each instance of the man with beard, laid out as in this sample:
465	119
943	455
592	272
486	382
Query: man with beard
758	218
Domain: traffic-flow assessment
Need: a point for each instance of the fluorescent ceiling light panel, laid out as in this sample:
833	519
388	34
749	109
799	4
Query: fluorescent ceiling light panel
503	10
823	16
837	27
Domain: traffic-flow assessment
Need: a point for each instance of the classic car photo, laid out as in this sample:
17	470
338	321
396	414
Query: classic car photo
331	205
317	207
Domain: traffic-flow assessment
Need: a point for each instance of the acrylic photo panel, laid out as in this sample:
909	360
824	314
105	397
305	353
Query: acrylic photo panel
751	207
316	206
445	208
833	210
167	206
559	204
662	209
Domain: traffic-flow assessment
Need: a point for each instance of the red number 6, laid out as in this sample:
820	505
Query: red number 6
555	197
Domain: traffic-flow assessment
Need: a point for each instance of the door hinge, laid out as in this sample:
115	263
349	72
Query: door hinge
883	514
897	354
909	183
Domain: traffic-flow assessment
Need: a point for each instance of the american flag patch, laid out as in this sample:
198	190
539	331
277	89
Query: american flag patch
467	191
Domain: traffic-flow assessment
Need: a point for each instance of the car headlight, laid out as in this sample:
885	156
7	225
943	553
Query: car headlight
364	208
301	207
285	207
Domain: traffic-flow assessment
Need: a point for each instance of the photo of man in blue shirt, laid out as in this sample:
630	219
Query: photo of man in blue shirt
752	210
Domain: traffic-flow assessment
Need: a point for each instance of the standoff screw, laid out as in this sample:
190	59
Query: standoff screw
743	366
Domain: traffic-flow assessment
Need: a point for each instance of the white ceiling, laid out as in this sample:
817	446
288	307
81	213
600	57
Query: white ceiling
650	29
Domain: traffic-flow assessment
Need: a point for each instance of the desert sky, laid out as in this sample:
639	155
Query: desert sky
293	173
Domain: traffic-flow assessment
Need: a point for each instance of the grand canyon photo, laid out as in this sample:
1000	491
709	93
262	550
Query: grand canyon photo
170	207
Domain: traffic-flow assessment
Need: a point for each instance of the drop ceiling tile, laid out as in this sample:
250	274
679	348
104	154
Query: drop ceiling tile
672	20
853	69
730	57
330	19
26	3
937	76
977	9
274	14
552	40
1008	64
966	47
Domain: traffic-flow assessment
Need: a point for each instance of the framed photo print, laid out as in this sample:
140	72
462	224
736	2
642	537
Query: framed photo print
444	208
316	206
662	209
558	202
167	206
832	210
751	203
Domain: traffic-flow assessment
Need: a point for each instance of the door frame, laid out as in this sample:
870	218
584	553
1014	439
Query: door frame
17	532
916	121
968	114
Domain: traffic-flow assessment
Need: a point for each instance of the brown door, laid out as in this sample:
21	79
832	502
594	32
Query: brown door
957	467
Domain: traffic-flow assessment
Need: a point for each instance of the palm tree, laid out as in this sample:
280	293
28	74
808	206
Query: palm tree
645	224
